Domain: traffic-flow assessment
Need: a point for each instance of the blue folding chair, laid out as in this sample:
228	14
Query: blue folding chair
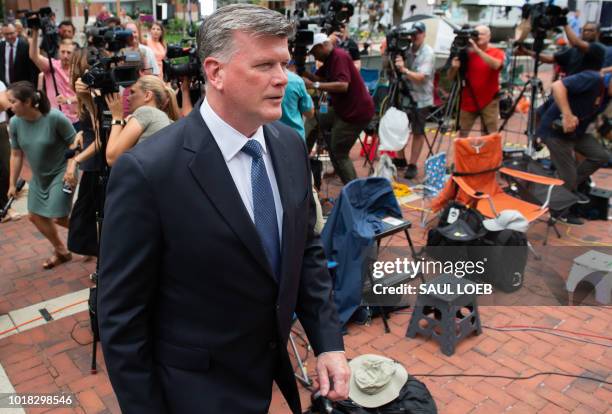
435	179
370	77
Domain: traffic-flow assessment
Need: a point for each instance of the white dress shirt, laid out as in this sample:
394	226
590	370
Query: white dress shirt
7	57
230	143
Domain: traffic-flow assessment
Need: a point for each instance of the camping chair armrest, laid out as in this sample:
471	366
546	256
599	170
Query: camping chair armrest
540	179
469	190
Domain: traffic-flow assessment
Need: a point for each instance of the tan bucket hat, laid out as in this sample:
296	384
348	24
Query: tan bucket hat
375	380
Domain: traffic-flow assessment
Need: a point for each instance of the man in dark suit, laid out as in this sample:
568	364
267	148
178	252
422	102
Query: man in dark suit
208	246
15	63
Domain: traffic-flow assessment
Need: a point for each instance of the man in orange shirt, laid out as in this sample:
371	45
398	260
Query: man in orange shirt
479	97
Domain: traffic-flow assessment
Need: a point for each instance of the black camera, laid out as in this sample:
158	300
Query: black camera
544	17
41	19
462	40
399	40
112	39
332	15
108	73
605	36
182	60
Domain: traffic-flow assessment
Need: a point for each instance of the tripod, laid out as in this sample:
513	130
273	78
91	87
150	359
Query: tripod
535	85
104	118
453	103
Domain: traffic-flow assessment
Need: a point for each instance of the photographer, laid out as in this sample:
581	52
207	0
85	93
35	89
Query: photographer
57	75
479	96
570	59
154	107
66	30
352	107
564	118
342	40
417	67
82	231
134	44
43	135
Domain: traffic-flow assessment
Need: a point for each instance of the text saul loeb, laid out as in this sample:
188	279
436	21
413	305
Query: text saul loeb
434	289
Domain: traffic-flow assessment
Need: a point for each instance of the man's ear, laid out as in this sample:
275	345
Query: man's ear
215	73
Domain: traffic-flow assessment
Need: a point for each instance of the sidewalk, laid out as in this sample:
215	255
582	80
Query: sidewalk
55	356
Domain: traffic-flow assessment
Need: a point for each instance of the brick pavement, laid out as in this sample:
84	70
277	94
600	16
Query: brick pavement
56	357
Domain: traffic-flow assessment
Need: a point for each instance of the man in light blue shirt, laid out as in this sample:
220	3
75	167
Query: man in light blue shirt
296	103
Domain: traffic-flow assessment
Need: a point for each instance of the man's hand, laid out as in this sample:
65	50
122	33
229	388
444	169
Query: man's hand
474	46
399	63
334	38
570	122
12	192
455	63
307	82
332	367
62	100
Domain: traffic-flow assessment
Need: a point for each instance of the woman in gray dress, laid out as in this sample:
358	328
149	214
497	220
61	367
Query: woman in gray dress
42	135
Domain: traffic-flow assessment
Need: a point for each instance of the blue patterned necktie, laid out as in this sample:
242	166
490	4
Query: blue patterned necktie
264	209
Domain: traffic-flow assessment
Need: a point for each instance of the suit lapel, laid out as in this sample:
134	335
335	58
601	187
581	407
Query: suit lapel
284	179
209	169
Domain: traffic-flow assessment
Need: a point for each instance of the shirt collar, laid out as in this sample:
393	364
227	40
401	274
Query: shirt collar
229	140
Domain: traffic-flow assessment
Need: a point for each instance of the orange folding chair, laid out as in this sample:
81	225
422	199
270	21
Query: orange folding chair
474	180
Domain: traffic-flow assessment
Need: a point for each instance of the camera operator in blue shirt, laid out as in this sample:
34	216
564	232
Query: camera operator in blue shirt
575	103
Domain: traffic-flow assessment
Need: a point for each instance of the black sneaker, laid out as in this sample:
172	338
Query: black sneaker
411	171
582	198
571	219
399	162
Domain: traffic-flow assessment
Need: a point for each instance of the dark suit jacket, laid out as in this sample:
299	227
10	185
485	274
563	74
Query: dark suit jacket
191	318
25	69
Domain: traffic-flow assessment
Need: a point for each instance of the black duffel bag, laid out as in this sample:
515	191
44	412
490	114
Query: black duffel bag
414	398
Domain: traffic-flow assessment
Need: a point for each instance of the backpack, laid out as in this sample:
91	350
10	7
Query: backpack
459	227
465	238
414	398
507	253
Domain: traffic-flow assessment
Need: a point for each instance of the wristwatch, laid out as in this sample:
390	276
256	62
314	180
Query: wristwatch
118	122
316	85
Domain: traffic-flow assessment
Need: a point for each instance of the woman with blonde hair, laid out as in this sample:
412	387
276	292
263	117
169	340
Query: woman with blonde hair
153	106
156	42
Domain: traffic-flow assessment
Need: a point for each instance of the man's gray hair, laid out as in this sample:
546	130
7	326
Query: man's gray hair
215	34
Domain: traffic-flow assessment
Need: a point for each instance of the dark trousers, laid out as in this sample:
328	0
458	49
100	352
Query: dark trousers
562	156
82	230
5	159
342	138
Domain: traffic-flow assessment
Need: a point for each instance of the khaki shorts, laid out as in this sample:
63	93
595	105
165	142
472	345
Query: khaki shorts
490	116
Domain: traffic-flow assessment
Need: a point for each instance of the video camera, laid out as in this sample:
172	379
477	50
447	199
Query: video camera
191	68
605	36
107	75
112	39
399	40
544	17
332	15
462	40
41	19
